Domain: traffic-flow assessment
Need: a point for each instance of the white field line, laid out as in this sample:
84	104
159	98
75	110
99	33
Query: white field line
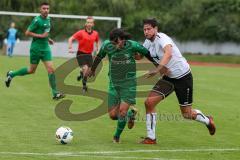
80	155
108	154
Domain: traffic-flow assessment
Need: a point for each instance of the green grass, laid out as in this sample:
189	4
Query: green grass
28	121
235	59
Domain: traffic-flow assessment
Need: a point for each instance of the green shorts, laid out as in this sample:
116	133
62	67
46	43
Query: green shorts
121	93
37	55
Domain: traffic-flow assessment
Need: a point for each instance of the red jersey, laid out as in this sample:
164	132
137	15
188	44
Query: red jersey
86	40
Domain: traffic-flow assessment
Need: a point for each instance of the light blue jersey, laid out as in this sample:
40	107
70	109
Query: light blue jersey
11	40
12	35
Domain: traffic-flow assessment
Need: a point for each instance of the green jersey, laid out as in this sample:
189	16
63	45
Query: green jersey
122	67
40	25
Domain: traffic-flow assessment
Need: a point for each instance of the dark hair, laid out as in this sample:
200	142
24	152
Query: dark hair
151	21
119	33
44	3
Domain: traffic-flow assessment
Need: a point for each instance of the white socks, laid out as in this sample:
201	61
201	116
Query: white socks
151	125
201	117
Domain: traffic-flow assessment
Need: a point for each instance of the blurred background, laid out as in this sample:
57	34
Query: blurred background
199	27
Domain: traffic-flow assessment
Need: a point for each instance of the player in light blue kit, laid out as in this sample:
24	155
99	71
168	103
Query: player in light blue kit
12	36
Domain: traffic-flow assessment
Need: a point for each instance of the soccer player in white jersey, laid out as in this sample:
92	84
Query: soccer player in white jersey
176	76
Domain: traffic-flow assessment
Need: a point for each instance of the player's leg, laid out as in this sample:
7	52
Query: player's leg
79	60
52	80
34	60
88	61
128	95
117	110
194	114
11	49
184	92
122	120
132	112
161	90
113	107
85	69
47	61
79	78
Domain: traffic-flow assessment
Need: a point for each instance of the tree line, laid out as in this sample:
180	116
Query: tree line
206	20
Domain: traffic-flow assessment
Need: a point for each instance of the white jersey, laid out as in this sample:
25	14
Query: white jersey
177	65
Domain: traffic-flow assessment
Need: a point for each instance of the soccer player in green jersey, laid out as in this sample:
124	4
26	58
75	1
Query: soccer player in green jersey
122	77
39	29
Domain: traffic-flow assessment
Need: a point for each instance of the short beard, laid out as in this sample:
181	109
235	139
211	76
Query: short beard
152	38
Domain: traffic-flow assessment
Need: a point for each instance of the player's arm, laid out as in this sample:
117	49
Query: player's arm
97	46
7	34
102	53
32	27
142	51
162	69
16	35
70	42
32	34
148	56
96	62
97	43
51	41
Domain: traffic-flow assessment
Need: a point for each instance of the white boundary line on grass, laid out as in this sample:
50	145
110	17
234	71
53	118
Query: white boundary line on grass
108	154
80	155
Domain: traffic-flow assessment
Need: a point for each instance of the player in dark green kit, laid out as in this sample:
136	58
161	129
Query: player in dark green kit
39	29
122	77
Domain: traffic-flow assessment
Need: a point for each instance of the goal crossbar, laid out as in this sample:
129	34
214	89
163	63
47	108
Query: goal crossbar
118	19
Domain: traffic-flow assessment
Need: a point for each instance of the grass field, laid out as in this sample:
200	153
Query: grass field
28	121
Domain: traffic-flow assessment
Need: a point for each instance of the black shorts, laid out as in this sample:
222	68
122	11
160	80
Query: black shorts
84	59
183	88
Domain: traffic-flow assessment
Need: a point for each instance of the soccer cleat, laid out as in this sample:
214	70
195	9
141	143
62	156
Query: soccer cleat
132	118
9	79
147	140
211	126
116	139
79	78
58	96
85	89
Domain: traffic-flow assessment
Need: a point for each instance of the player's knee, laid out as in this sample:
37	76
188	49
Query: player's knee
148	103
31	70
50	70
113	115
122	112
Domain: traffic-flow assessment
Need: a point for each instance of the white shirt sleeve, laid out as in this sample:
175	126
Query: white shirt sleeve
165	40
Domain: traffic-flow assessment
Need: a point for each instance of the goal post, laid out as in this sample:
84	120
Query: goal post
59	49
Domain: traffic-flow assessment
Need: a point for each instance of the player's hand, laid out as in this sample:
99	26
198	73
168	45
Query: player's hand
151	73
50	41
164	71
70	50
138	56
5	41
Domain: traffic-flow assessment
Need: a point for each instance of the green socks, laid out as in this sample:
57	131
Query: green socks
52	82
122	121
120	126
24	71
20	72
